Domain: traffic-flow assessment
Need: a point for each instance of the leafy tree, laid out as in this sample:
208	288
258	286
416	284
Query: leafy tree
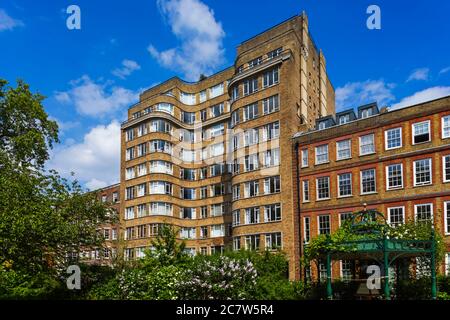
43	217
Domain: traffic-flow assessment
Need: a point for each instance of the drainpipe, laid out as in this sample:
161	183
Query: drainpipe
302	269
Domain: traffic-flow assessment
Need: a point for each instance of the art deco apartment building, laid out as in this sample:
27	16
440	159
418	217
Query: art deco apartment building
397	162
214	157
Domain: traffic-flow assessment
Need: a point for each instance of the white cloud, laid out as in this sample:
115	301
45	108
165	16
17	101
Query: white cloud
444	70
423	96
419	74
95	161
358	93
128	67
96	99
200	35
8	23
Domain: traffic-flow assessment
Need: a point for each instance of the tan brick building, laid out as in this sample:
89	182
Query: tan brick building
397	162
214	157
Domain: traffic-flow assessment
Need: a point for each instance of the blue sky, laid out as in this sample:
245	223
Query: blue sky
91	76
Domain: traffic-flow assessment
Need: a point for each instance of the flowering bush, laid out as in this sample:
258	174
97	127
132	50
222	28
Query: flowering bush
220	277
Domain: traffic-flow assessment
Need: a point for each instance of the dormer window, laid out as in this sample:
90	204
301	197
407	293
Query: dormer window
365	113
344	119
322	125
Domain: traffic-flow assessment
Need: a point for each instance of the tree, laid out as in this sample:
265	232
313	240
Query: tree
43	217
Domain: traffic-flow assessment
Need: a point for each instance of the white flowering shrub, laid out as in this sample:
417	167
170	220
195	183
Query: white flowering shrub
219	277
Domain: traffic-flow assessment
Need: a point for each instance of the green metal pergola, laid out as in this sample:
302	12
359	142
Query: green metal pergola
380	248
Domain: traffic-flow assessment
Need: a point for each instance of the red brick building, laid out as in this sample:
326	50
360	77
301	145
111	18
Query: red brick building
396	161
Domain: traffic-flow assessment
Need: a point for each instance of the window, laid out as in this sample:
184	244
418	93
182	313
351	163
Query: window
203	115
236	243
423	212
447	264
323	188
273	241
272	212
202	96
129	154
322	125
271	158
217	210
159	166
141	210
344	119
141	231
236	217
217	110
129	213
204	212
217	190
254	62
306	191
251	189
188	117
129	233
203	192
115	197
270	78
305	158
114	234
422	172
251	137
322	154
236	191
160	146
129	135
447	217
368	181
272	185
271	104
235	93
141	149
393	138
394	174
346	270
252	242
216	91
187	98
187	233
446	127
446	167
324	224
366	144
252	215
203	232
396	216
344	217
306	229
166	107
250	86
251	111
187	193
141	190
216	150
271	131
365	113
217	169
217	230
160	187
343	149
234	118
141	169
275	53
160	209
129	193
129	173
421	132
251	162
187	213
345	184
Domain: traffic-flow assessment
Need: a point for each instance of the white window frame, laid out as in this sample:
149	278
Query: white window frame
387	177
413	135
398	207
444	167
446	213
361	182
318	223
327	153
373	143
386	147
443	122
317	189
304	229
339	187
431	173
337	149
305	158
303	191
424	204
